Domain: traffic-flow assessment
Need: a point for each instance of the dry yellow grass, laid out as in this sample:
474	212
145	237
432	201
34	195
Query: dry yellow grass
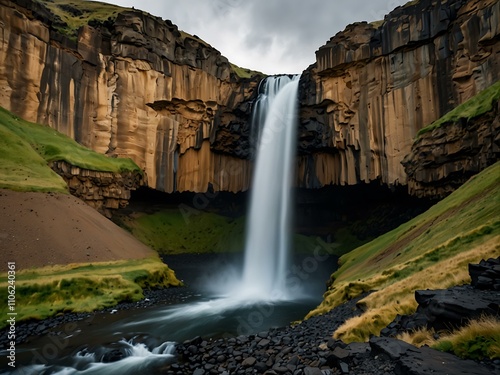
383	305
478	339
419	337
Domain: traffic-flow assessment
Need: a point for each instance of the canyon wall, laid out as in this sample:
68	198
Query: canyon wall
135	86
131	87
373	86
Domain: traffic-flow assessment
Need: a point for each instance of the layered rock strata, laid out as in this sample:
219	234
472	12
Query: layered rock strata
104	191
131	87
373	86
443	159
135	86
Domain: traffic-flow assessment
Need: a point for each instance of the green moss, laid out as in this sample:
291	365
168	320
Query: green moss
476	106
42	293
185	230
175	231
74	14
22	168
27	148
479	347
245	73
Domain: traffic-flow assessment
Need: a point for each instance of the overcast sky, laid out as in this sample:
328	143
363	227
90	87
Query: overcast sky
271	36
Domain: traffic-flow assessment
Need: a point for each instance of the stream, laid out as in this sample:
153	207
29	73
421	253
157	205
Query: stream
143	340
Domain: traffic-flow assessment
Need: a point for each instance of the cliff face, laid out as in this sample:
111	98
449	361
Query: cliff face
373	87
443	159
133	87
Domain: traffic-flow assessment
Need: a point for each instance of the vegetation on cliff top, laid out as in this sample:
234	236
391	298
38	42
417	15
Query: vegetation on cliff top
475	106
430	251
246	73
28	148
45	292
74	14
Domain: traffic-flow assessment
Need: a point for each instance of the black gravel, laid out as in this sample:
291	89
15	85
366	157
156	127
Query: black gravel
32	328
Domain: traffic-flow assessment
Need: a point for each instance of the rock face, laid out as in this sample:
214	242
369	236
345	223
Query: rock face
443	159
133	87
373	87
105	191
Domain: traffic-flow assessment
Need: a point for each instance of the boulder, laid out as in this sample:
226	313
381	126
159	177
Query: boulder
411	360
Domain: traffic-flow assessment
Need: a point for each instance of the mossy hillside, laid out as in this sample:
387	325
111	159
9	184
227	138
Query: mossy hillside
183	230
74	14
430	251
28	148
22	168
246	73
475	106
45	292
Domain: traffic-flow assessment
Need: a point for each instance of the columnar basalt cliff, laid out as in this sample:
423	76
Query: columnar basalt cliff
133	87
374	86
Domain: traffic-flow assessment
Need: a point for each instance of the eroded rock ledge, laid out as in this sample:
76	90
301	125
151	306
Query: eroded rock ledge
104	191
443	159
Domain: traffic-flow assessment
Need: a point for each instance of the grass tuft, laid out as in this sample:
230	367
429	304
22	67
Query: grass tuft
478	340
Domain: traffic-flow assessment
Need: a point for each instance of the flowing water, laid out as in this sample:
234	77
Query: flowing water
268	232
265	293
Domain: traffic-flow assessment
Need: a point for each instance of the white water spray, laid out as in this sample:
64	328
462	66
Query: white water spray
268	229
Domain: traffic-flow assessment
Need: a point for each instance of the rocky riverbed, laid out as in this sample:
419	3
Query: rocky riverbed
305	348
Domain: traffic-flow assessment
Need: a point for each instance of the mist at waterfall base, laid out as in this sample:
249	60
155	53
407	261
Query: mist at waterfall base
265	289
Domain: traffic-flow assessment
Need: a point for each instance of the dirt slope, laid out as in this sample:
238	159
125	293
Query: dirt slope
41	229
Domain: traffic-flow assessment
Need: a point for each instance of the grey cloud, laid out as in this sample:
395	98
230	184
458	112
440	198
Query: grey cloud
286	32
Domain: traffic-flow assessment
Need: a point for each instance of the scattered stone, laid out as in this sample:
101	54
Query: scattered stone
248	362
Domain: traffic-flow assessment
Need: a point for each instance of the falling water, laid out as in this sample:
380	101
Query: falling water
267	239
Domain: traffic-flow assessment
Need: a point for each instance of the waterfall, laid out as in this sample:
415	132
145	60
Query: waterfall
268	228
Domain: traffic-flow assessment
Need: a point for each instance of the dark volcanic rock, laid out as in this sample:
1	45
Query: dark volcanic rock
423	361
456	306
486	274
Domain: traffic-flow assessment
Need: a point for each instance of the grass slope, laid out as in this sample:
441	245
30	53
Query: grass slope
178	231
475	106
75	14
431	251
28	148
41	293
